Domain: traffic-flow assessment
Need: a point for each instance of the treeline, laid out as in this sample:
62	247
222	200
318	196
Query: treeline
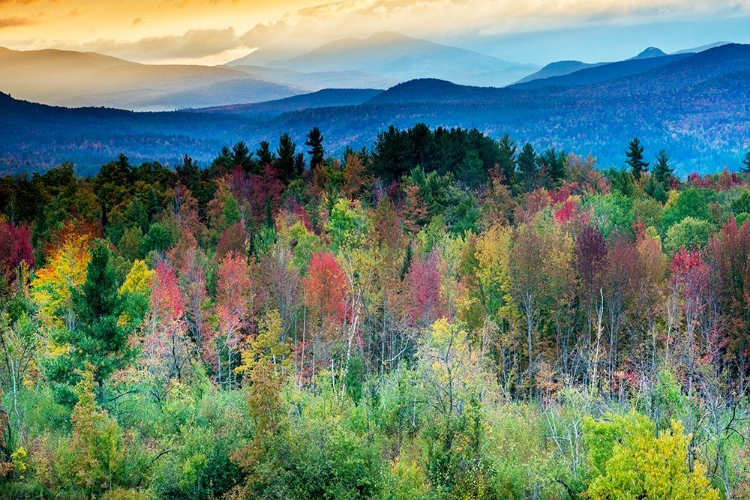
445	316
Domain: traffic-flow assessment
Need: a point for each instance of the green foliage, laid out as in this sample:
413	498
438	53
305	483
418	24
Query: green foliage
635	158
688	233
692	202
628	460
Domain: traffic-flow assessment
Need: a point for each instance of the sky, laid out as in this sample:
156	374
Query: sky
218	31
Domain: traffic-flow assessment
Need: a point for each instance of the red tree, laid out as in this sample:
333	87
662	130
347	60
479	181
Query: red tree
15	248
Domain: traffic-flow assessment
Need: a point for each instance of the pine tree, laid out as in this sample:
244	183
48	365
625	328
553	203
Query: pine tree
265	155
285	161
746	163
527	166
99	339
662	170
507	161
315	143
635	158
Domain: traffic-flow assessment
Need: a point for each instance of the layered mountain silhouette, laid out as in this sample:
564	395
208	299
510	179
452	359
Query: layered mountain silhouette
68	78
696	106
401	58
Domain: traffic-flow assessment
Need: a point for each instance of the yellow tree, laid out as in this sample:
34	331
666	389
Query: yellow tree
628	460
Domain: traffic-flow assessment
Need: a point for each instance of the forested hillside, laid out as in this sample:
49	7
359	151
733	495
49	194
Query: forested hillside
445	315
695	106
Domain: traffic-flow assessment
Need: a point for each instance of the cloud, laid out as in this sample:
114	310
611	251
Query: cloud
193	45
139	20
13	22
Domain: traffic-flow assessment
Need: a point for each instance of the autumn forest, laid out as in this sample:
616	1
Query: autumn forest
441	316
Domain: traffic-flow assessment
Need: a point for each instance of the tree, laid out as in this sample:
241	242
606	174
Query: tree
315	143
528	168
95	452
285	161
165	345
635	158
553	163
628	460
233	301
15	248
662	171
746	163
266	157
326	289
99	338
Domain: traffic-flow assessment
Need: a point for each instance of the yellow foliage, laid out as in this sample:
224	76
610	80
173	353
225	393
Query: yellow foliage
53	285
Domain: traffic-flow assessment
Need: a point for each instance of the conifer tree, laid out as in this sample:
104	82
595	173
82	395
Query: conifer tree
507	161
285	161
635	158
98	338
662	170
527	166
315	143
746	163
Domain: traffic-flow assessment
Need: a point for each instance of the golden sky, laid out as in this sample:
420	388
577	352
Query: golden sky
216	31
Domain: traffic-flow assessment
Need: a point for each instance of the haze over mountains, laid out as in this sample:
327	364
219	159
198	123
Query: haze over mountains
697	106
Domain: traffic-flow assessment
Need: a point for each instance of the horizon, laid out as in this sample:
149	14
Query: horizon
218	32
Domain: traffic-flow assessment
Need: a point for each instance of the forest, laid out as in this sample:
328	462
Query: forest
442	316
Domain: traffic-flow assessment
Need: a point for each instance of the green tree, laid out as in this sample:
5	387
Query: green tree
635	158
286	158
527	167
507	163
99	338
746	163
628	460
315	143
265	155
662	171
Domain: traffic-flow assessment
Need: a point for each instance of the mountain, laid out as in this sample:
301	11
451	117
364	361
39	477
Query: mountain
320	99
650	52
68	78
702	48
603	72
558	68
319	80
399	57
696	107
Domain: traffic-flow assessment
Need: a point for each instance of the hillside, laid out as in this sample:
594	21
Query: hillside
67	78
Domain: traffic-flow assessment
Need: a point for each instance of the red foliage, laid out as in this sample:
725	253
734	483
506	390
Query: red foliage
265	193
325	289
567	212
15	248
591	255
232	239
423	281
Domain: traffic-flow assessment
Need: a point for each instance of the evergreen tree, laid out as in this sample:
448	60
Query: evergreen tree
635	158
98	338
315	143
507	161
285	161
265	155
242	157
555	165
527	167
662	170
746	163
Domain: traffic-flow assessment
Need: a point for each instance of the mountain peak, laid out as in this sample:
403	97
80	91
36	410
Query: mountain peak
650	52
388	37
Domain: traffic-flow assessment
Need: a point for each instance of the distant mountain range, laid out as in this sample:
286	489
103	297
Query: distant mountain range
696	106
562	68
401	58
67	78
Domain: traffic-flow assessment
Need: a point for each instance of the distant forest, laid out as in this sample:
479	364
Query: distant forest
443	316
